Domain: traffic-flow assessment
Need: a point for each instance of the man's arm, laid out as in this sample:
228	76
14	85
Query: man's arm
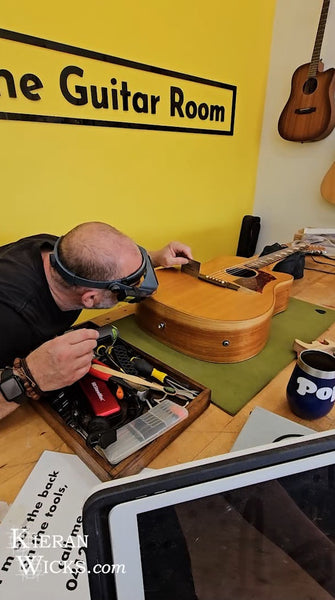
58	363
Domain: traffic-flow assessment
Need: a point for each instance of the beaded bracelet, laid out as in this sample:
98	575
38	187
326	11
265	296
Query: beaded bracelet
31	388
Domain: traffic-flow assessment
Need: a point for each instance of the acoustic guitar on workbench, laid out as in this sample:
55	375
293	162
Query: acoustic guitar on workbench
223	313
309	114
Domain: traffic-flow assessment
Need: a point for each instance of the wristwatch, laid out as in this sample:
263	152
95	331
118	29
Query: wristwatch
11	386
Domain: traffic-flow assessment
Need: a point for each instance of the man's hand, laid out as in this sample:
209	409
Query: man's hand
63	360
175	253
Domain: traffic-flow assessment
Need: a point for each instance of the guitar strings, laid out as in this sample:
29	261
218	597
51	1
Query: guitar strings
253	264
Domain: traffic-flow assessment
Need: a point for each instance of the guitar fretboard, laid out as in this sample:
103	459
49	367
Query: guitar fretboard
313	67
259	262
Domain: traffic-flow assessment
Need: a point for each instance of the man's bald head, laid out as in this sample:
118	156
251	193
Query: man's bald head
98	251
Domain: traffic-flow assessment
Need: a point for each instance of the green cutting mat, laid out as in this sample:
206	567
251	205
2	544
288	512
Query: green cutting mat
233	385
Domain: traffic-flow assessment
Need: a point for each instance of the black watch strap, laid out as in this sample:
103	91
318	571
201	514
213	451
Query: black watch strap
11	386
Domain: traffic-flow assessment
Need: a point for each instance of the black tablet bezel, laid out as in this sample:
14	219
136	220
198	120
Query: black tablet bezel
98	506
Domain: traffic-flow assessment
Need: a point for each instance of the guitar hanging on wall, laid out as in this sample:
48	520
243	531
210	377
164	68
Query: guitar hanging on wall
309	114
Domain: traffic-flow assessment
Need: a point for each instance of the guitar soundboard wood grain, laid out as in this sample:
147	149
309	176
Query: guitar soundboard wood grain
212	323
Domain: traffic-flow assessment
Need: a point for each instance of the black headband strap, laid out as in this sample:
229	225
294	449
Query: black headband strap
74	279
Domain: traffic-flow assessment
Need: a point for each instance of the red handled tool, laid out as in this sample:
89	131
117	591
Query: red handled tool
96	371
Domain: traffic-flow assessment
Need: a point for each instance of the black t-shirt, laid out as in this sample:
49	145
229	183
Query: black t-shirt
29	315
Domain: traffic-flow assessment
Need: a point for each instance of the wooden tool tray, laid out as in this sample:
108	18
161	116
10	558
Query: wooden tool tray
141	458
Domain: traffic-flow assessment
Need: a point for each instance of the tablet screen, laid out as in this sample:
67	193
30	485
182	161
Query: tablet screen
268	541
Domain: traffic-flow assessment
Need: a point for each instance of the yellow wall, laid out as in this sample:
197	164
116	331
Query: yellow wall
153	185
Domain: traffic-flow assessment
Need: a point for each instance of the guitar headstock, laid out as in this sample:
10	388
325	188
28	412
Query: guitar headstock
306	248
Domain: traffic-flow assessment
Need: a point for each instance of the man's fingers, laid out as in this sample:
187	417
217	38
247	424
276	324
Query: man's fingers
178	249
82	348
179	260
81	361
81	372
77	336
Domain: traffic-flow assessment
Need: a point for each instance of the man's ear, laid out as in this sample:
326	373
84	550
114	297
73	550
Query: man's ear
90	298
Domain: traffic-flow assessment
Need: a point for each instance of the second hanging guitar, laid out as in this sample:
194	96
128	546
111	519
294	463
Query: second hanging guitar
309	114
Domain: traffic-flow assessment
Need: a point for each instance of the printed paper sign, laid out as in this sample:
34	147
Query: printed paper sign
42	551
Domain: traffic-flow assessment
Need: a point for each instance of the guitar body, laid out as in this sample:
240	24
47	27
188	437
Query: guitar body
328	185
213	323
309	114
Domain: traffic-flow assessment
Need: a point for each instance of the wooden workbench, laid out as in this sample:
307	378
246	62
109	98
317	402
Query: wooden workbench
24	435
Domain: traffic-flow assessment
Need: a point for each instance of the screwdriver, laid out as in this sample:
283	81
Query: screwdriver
148	370
100	370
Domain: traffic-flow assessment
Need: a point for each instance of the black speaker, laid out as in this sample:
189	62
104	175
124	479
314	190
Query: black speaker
248	236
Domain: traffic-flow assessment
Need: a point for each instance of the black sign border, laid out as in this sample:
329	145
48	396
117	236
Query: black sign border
60	47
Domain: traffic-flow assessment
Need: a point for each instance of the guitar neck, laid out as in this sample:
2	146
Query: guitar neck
273	257
314	65
259	262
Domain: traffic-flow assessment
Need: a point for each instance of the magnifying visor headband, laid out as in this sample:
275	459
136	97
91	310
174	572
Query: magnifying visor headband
124	288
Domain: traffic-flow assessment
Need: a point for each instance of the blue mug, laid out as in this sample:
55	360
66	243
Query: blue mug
311	388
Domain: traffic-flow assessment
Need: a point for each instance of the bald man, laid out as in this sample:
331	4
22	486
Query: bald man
45	282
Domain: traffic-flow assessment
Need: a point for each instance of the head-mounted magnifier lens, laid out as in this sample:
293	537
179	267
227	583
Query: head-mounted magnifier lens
135	287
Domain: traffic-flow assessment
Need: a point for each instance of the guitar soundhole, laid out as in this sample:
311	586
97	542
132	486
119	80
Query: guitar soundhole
241	272
310	85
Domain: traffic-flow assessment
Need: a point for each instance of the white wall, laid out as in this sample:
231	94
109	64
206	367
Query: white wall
289	175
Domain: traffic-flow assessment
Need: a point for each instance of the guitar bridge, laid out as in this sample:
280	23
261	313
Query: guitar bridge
219	282
193	268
